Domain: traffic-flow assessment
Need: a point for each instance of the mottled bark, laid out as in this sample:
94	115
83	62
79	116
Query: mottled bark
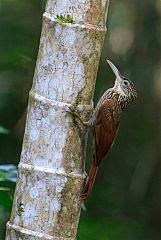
50	173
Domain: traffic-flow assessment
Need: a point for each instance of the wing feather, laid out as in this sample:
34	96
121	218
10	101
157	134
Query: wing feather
105	130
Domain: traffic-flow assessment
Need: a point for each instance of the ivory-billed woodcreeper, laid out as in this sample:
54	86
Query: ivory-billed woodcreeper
105	121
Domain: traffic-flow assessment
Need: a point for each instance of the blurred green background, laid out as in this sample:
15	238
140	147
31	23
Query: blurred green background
126	201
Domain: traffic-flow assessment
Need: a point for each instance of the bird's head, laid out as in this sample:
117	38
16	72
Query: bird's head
122	85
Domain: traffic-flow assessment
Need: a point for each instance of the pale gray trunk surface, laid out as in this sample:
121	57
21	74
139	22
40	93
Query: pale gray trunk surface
50	173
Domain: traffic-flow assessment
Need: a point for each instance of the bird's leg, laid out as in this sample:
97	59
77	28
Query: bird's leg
84	123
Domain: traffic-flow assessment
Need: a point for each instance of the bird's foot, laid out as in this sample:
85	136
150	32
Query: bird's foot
75	115
72	111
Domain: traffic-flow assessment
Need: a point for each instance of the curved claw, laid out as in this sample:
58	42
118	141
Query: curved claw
72	111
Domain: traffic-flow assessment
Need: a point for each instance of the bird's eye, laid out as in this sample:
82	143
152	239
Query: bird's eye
125	82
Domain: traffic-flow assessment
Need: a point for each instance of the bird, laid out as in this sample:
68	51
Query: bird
105	120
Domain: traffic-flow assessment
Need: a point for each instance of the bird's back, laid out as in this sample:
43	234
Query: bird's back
105	124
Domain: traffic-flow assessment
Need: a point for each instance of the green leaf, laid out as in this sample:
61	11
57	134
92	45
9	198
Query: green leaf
64	19
2	175
4	189
8	172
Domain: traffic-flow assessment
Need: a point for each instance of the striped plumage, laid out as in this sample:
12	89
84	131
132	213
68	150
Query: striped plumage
121	100
105	122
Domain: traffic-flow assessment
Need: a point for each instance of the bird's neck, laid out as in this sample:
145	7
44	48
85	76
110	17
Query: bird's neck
121	98
123	101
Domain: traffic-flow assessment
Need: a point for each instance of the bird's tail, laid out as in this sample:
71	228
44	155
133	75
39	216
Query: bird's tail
90	180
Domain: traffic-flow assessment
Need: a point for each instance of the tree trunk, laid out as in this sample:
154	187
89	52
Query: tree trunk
50	173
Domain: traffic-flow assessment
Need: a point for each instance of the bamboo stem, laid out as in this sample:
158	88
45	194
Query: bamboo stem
50	176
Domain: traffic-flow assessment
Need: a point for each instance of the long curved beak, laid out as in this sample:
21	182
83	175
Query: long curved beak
115	70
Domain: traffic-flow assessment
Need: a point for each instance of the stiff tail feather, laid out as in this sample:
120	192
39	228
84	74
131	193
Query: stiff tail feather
90	181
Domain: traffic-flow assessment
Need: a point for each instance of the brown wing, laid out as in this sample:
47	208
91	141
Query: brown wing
105	130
